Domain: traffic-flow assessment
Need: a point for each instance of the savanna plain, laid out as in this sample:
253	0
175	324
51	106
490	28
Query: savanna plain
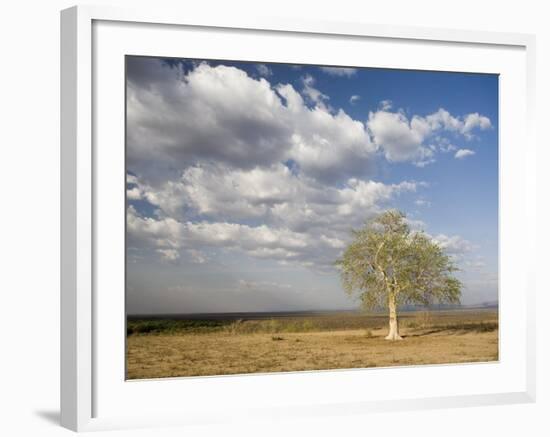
224	344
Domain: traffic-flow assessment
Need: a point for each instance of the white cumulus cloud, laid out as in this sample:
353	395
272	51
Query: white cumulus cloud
231	162
339	71
406	139
177	118
263	70
464	153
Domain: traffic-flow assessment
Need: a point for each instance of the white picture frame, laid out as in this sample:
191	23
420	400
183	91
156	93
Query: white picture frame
87	401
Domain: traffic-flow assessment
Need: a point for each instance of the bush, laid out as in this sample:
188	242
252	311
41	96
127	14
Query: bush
171	326
235	327
274	326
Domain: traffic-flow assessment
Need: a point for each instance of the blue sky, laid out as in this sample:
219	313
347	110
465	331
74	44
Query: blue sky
245	178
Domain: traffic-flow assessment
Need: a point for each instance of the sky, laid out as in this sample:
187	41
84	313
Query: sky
244	179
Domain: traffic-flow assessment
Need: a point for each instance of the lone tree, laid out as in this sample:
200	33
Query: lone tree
389	265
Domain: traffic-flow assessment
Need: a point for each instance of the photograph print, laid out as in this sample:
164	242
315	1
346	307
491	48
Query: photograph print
285	217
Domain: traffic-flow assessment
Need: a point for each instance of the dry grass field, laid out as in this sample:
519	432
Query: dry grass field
167	348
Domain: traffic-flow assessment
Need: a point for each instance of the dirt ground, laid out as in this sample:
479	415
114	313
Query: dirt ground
222	353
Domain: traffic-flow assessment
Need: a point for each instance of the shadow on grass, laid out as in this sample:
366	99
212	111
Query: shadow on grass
458	328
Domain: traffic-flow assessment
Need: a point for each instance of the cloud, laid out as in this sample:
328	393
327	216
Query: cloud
367	194
263	70
131	179
402	139
354	99
208	113
464	253
197	256
415	224
473	121
227	162
179	117
339	71
422	202
464	153
442	119
331	148
262	285
425	156
169	254
167	237
313	94
299	220
477	264
214	191
133	194
454	244
385	105
161	234
443	144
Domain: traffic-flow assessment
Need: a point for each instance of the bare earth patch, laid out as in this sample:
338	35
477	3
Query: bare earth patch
223	353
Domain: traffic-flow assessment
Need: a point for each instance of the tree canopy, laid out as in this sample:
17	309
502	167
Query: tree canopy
388	265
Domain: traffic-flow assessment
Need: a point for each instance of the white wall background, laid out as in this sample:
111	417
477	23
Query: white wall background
29	215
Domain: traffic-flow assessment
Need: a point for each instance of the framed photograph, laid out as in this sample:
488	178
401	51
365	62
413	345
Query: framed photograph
270	219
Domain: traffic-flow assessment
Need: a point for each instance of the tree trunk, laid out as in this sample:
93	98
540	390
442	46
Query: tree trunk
394	327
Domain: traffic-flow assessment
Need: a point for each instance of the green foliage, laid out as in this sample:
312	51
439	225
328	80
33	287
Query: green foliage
170	326
235	327
387	260
279	325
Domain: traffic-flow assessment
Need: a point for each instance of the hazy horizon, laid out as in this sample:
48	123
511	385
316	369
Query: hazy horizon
269	314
